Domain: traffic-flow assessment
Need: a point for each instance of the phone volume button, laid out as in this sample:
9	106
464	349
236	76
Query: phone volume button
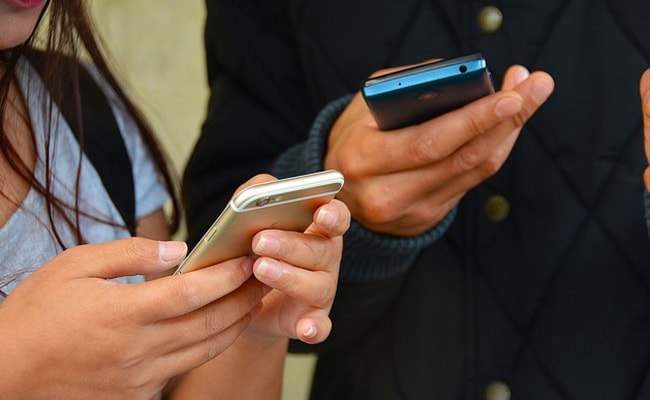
209	236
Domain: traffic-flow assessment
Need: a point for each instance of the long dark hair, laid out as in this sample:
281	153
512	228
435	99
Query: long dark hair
70	36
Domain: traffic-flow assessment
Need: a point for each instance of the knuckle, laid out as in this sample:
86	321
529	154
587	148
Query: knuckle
352	166
217	344
490	167
289	282
325	296
293	246
316	251
136	248
186	294
212	351
379	208
254	295
469	156
214	347
213	323
475	125
219	320
519	119
424	150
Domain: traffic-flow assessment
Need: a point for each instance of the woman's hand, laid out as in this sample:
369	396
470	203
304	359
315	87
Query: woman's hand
69	332
403	182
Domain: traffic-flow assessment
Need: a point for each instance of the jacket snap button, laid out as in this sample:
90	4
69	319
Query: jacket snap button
497	391
497	208
490	19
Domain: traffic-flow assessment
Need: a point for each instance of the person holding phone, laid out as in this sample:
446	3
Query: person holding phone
497	251
78	320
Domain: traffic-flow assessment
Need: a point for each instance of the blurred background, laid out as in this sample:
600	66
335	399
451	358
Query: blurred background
157	49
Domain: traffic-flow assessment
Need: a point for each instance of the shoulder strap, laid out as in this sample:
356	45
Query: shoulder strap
104	147
101	141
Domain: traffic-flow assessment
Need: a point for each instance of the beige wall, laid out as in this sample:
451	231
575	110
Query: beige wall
157	47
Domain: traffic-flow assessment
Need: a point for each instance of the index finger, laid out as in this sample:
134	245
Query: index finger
442	136
177	295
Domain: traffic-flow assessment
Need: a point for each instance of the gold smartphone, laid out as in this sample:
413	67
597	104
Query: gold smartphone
287	204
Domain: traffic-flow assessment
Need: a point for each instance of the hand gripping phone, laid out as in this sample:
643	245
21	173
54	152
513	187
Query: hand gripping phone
417	94
287	204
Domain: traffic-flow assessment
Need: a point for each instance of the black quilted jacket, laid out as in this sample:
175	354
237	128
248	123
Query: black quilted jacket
540	286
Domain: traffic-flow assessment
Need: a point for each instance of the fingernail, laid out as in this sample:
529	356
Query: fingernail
507	107
311	332
326	218
521	75
267	245
171	251
268	270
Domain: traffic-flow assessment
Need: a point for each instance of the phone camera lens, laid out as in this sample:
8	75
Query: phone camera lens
263	202
462	68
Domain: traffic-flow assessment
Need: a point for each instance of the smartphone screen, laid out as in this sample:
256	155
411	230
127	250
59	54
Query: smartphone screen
419	93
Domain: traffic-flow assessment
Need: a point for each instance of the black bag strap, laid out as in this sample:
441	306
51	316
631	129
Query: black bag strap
104	147
102	141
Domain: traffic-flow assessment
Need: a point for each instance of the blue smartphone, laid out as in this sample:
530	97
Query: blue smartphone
414	95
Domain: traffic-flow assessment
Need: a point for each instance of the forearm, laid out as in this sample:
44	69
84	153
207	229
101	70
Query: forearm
249	369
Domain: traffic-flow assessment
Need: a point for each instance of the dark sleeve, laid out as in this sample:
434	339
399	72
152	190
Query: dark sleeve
259	120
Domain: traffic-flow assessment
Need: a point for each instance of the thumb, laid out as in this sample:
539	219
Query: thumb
124	257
